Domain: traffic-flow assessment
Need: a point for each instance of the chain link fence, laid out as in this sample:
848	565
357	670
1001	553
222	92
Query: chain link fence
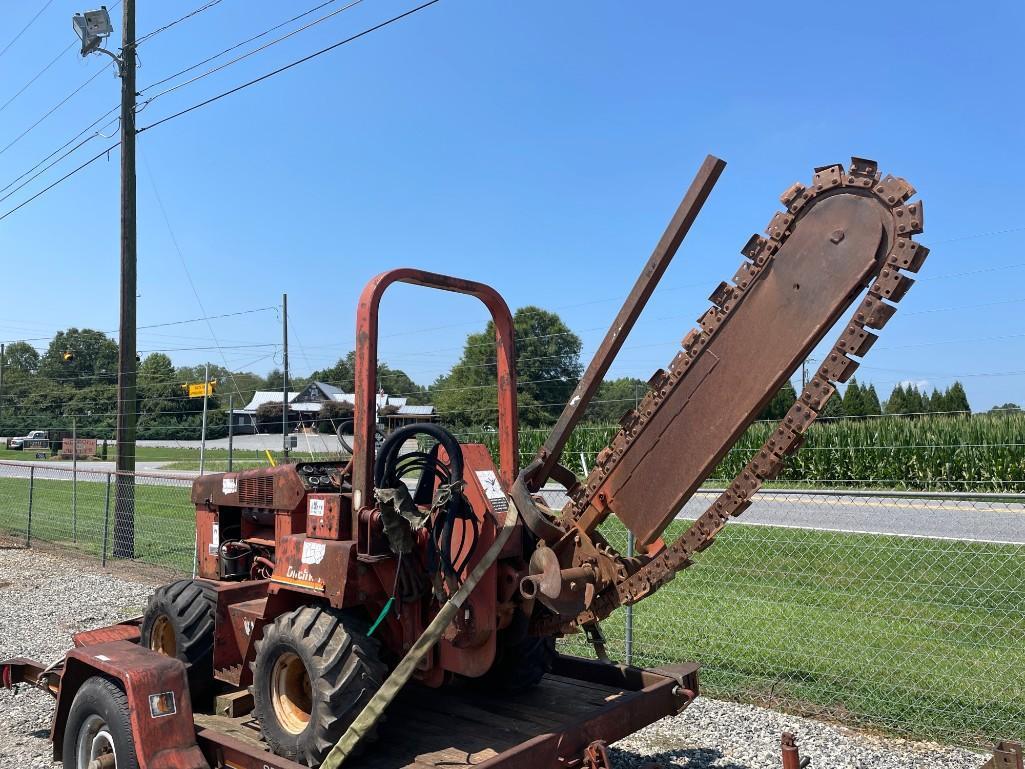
87	511
899	611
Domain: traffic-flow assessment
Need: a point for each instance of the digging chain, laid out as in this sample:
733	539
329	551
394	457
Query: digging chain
889	284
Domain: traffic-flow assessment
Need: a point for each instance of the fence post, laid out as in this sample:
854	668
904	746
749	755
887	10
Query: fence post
106	522
628	640
31	486
74	480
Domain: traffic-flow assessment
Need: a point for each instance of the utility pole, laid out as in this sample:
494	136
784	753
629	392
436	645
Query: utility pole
284	386
202	437
124	507
3	354
231	426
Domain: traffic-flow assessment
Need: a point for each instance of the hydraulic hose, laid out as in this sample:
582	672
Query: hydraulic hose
403	672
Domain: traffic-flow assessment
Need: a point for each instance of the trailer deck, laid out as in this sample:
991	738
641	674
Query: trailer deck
581	702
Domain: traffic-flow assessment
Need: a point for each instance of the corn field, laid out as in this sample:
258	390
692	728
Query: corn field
927	453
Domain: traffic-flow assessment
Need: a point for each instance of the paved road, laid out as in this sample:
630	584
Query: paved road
944	518
978	521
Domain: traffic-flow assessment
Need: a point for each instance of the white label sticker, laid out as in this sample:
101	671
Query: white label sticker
313	552
229	485
316	507
493	490
215	539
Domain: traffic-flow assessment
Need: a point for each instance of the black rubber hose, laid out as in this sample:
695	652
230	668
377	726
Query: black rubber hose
384	467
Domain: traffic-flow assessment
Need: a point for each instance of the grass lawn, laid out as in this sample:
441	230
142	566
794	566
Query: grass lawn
916	636
164	525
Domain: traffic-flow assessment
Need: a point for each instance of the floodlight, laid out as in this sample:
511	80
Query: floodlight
92	28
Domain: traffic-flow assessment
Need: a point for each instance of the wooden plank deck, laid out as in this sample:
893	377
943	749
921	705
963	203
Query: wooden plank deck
456	726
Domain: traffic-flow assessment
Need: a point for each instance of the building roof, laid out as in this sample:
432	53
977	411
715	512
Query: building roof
264	396
415	411
329	390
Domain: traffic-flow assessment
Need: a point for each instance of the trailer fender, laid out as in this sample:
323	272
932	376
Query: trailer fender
157	690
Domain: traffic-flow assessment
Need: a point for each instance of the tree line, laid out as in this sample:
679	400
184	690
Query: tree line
76	378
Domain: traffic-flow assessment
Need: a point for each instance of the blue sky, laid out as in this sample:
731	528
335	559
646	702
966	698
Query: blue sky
536	146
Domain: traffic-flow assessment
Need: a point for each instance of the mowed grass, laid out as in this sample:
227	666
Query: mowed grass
915	636
920	637
164	520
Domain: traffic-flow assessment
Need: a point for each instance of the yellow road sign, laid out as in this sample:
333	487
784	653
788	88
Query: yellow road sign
201	389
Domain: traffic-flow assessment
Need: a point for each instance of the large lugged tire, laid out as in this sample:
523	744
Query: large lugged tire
179	622
521	660
98	726
313	673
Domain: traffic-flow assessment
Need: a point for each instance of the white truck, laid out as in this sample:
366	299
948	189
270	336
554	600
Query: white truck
34	435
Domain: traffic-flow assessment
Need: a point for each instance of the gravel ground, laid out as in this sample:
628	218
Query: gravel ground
45	599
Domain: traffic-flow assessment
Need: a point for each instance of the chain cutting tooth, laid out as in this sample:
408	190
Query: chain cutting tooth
907	255
766	465
745	275
863	172
893	190
827	177
856	340
817	393
779	225
909	218
892	284
722	295
793	199
837	367
711	319
873	312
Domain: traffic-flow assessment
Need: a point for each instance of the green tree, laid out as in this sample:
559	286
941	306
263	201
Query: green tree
957	399
871	398
21	356
82	356
547	369
917	403
780	404
897	403
853	400
615	397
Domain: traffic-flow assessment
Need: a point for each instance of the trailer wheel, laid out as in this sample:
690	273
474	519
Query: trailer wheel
179	622
98	728
313	673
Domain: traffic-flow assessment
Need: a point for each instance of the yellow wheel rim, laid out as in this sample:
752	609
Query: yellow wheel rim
291	693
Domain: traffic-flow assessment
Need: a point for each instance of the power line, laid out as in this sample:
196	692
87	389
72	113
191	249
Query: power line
96	157
189	15
289	66
38	75
25	28
162	325
66	176
50	111
245	55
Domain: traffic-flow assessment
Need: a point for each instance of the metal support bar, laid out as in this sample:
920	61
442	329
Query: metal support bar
31	487
653	270
628	638
74	479
106	522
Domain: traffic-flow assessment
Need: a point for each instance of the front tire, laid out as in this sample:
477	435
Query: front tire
179	622
98	727
313	673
